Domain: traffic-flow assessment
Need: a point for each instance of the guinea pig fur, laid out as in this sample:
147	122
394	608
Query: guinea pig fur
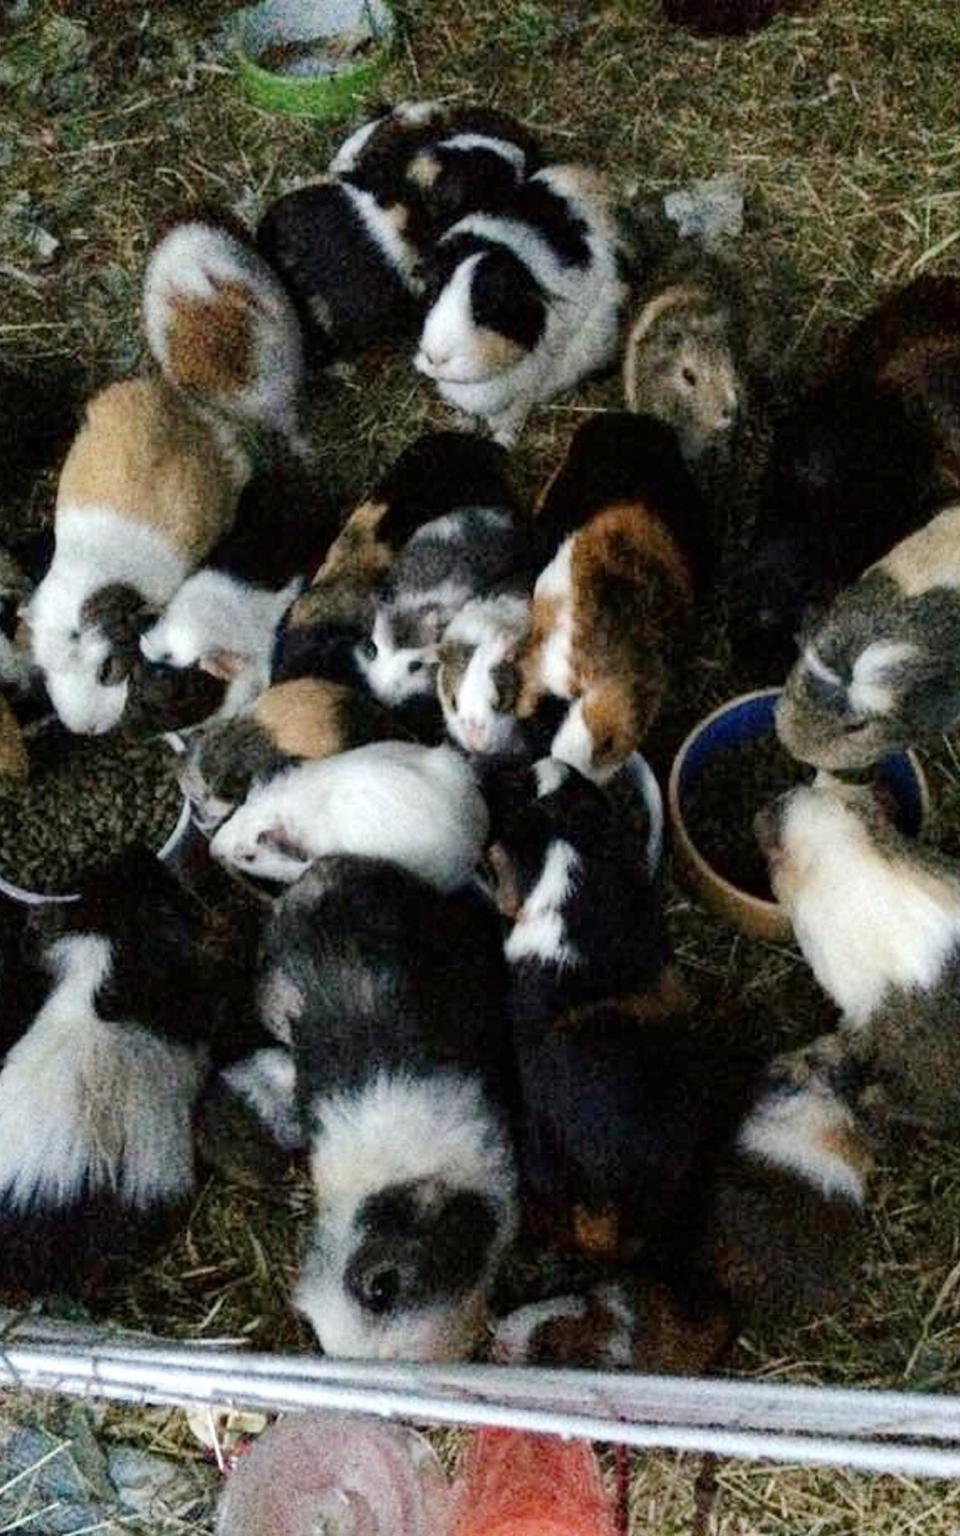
394	998
220	325
419	807
686	359
464	552
787	1222
441	161
877	916
625	541
96	1096
477	679
430	479
882	669
866	455
148	487
526	302
299	721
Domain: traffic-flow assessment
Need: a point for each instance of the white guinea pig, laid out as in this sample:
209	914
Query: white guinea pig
417	807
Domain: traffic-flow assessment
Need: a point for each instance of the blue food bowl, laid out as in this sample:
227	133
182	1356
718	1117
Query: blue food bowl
750	718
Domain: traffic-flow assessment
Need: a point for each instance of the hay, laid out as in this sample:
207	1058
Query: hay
843	125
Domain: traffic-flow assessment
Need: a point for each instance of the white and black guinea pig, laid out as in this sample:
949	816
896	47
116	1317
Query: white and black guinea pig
419	807
527	301
299	721
441	160
393	997
97	1092
476	539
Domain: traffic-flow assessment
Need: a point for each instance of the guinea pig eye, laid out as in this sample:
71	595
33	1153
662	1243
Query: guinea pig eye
851	727
416	666
381	1289
689	377
367	649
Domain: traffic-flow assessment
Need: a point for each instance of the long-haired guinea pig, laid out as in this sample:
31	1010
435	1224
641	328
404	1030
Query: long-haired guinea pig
326	625
393	997
877	916
526	302
868	452
882	669
222	328
690	353
786	1226
440	160
97	1093
623	543
475	543
477	676
419	807
299	721
148	488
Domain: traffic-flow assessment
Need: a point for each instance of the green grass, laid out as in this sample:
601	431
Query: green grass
843	125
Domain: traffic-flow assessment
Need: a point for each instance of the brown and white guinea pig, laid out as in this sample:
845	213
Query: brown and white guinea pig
527	301
877	916
623	543
298	721
441	160
477	540
477	678
420	807
864	457
690	353
147	489
393	997
333	620
787	1225
98	1089
220	325
622	1106
638	1321
882	669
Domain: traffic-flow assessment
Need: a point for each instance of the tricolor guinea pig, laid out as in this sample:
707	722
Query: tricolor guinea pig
877	916
527	301
862	459
623	543
881	670
475	542
393	997
477	678
148	487
98	1090
419	807
299	721
688	358
441	160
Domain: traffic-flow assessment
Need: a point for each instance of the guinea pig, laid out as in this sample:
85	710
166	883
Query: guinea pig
395	1006
441	160
882	669
474	544
623	542
687	359
220	325
299	721
419	807
526	302
787	1221
729	18
147	488
877	916
328	625
861	461
97	1093
477	676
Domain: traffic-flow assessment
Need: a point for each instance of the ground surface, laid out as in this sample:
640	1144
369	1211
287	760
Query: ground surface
843	125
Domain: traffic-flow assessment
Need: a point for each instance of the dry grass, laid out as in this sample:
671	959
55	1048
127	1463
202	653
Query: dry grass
843	124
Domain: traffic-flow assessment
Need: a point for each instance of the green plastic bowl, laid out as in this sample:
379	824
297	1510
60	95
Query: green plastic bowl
314	81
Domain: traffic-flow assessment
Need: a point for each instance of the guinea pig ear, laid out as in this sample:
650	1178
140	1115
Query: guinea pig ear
225	665
504	881
116	610
433	622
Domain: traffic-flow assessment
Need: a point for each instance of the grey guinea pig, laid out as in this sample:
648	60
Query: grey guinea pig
687	358
298	721
882	669
877	916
